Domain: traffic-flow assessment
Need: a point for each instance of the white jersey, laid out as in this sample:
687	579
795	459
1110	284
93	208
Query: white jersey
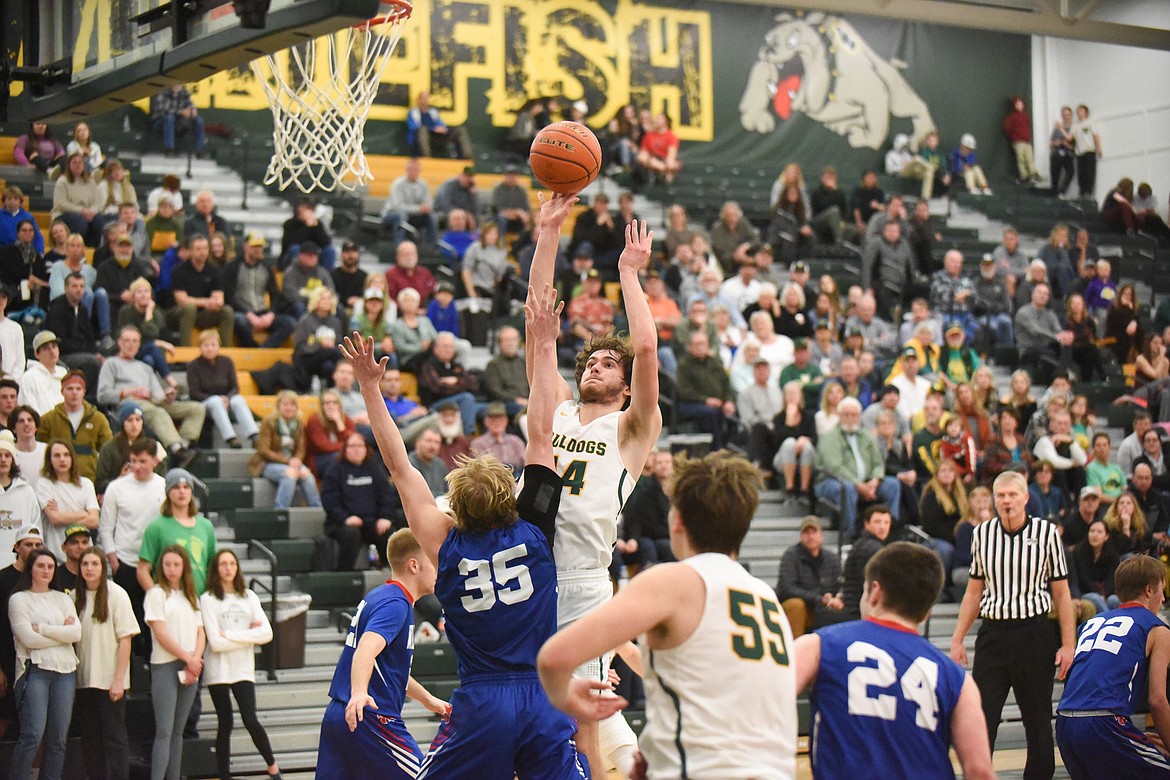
596	485
723	703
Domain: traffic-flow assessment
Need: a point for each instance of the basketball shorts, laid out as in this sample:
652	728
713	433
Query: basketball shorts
380	747
578	593
1108	746
502	727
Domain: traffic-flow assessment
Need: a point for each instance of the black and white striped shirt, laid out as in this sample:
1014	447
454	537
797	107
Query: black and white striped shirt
1016	568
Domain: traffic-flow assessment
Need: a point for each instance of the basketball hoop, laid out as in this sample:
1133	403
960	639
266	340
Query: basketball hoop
320	93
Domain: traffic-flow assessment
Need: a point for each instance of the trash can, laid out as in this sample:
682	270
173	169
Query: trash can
292	612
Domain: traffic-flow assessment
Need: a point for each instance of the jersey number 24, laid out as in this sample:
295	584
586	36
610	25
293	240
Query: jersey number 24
918	685
496	580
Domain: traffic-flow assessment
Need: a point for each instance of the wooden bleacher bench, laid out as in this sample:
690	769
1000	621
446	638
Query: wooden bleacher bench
244	358
7	150
264	405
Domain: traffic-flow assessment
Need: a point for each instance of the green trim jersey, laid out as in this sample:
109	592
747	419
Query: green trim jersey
596	485
723	703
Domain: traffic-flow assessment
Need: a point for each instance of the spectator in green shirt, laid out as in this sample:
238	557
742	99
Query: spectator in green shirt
179	522
1103	474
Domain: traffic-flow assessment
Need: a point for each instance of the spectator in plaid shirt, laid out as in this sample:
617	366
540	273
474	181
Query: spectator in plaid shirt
173	109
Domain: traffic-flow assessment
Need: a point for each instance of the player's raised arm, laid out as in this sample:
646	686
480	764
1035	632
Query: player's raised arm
642	419
429	524
548	241
542	317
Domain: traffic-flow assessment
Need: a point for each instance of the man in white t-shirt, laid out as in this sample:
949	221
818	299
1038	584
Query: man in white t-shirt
11	338
131	502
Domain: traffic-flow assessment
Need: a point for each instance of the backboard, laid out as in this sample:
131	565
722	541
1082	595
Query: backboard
66	60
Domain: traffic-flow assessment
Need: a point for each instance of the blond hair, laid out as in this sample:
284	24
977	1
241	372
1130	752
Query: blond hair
482	494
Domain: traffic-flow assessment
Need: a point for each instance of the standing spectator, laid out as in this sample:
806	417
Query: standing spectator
458	192
1017	126
887	267
30	453
18	500
965	166
424	129
507	447
808	585
757	403
409	204
361	506
317	335
211	380
91	430
76	200
1093	562
326	433
1061	156
178	523
108	625
114	456
250	289
305	226
45	626
1087	148
1018	574
875	533
38	149
172	112
66	498
176	661
407	273
127	380
234	625
129	505
280	453
199	297
851	468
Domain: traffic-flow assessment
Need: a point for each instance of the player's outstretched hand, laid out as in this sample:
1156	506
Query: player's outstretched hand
542	313
554	209
355	710
438	706
1063	661
360	353
584	703
639	241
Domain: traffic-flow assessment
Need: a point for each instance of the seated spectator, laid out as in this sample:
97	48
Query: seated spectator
599	227
898	461
1119	215
757	402
1042	342
510	203
409	204
507	447
965	166
484	264
20	264
205	221
875	534
442	377
444	314
1128	533
958	447
304	277
887	398
426	459
280	453
912	387
66	498
621	138
113	459
172	112
740	291
588	314
90	433
115	189
1083	327
317	335
38	149
457	238
794	434
371	322
458	192
1077	521
1153	457
13	214
729	336
305	227
825	352
826	415
1101	473
199	297
924	444
851	469
425	132
658	150
349	280
729	233
1123	328
504	378
1153	502
1131	446
454	444
704	391
171	188
1101	290
808	585
125	380
76	200
1059	448
115	274
144	314
164	229
644	532
408	414
829	209
878	335
40	385
361	506
250	290
211	379
69	317
942	507
326	433
412	333
406	272
776	349
1091	567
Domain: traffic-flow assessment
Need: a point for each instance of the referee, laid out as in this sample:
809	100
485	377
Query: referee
1015	559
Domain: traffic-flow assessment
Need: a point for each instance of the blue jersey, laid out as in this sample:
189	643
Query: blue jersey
499	588
1110	666
388	611
882	704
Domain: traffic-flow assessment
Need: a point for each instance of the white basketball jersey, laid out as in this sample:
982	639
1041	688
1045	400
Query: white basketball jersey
723	703
596	485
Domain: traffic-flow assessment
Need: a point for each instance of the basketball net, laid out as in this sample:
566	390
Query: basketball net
320	94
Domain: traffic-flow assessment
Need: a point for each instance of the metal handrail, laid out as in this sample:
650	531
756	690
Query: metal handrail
269	651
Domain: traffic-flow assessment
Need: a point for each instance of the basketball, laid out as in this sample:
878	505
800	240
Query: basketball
565	157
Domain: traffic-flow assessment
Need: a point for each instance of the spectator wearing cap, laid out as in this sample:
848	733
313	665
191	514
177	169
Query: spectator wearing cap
317	335
406	272
666	316
250	289
588	314
442	377
599	226
510	203
302	278
808	585
444	314
280	453
370	320
1088	510
952	294
77	421
458	192
912	386
349	280
164	229
851	468
66	497
804	371
800	275
78	539
956	360
504	378
197	286
992	305
211	380
426	131
964	165
704	391
361	506
25	540
757	403
205	221
178	522
304	226
409	205
115	274
1036	273
114	457
126	380
507	447
570	280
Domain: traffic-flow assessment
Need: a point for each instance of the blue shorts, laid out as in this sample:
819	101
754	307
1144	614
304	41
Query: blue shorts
1108	746
380	747
501	729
